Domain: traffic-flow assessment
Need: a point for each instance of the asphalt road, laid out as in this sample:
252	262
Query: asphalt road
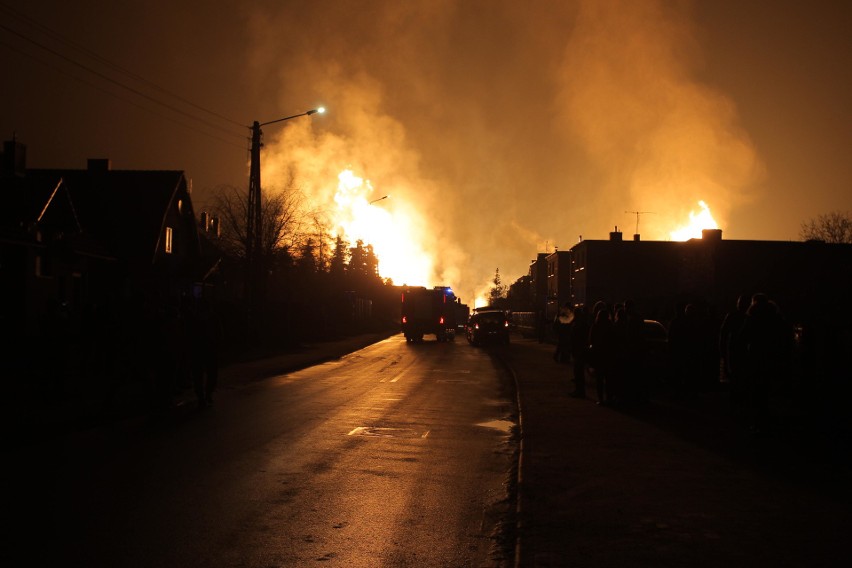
396	455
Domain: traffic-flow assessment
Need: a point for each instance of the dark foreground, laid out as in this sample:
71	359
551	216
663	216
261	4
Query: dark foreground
675	482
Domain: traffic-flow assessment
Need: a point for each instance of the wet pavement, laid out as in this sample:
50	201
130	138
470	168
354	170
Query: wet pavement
675	482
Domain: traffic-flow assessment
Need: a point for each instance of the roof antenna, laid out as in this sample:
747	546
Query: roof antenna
637	213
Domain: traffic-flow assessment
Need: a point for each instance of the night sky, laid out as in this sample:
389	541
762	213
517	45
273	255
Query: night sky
500	128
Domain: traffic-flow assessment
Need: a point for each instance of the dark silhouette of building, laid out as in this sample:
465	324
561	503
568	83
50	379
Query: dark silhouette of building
806	278
89	242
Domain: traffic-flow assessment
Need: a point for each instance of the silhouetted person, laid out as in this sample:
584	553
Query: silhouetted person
679	339
562	330
205	332
635	374
767	341
616	378
732	349
579	342
541	326
688	344
600	350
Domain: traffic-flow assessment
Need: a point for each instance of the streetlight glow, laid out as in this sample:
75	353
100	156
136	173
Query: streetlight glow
254	231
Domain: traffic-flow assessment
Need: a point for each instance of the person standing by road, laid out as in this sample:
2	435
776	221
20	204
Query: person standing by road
579	342
732	351
600	351
562	330
205	339
767	340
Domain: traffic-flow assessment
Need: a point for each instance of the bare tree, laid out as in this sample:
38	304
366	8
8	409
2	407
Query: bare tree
318	230
834	227
280	224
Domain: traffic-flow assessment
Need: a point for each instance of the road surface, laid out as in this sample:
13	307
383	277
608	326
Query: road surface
396	455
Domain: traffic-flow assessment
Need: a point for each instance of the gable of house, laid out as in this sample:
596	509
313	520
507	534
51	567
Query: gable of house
141	217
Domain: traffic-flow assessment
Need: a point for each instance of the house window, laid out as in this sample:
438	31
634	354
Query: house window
168	240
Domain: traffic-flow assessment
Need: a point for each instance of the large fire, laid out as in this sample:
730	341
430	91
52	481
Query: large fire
386	224
697	223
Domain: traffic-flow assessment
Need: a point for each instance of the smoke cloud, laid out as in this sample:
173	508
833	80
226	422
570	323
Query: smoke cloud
500	129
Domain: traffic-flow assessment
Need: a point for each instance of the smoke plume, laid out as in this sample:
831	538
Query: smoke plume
500	128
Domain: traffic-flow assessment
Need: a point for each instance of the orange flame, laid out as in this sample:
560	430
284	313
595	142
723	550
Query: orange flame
390	228
697	223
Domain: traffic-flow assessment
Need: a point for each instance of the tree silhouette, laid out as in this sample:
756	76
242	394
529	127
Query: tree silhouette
834	227
280	222
339	257
497	294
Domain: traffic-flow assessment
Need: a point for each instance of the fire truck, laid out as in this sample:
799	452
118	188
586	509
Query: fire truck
429	311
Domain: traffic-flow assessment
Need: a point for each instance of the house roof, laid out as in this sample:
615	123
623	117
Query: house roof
124	209
28	201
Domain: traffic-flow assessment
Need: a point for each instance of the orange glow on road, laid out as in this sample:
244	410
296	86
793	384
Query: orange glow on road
386	224
697	223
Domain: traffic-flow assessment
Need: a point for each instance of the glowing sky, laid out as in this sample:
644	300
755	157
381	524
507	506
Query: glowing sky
500	128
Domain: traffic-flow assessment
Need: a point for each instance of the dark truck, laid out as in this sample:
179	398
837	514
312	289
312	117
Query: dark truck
428	311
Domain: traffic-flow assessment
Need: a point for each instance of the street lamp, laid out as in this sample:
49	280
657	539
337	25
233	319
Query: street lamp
254	230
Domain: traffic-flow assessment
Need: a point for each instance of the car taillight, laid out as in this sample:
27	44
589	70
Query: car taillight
441	321
505	324
404	319
476	326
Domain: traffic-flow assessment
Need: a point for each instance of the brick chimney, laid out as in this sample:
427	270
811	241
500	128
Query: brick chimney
711	234
615	235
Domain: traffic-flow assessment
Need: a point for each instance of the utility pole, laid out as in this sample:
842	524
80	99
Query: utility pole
253	215
255	257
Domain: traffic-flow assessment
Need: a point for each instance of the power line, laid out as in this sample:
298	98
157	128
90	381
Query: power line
56	35
124	99
121	85
116	82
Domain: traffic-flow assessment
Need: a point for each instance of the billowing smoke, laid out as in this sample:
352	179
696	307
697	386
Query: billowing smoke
500	129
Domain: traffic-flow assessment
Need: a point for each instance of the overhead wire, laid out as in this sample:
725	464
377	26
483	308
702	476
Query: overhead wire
115	66
116	82
119	97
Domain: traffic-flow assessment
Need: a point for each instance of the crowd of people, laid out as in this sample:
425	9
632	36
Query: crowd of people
750	351
609	343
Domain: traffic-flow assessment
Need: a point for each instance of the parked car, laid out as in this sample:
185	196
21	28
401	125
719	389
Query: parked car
488	327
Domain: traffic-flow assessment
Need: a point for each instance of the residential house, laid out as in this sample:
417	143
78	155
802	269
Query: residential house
85	244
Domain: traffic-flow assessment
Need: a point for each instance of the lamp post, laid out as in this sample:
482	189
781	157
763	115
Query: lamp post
254	213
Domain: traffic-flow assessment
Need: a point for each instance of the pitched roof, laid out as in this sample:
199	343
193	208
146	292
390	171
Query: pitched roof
27	201
124	209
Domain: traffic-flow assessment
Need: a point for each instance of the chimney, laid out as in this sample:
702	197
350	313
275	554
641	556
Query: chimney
636	237
711	234
14	158
615	235
99	165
